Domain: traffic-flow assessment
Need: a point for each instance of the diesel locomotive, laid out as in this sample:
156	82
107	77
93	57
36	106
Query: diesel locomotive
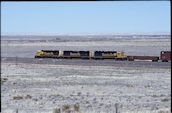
117	55
77	54
48	54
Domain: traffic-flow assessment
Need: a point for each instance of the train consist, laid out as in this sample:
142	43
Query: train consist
165	56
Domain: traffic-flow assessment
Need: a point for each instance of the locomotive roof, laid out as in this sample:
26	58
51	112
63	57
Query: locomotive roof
106	51
76	51
50	50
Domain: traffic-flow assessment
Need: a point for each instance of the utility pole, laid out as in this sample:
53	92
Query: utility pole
16	60
116	107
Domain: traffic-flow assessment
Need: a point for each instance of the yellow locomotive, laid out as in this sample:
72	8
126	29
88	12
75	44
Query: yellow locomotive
117	55
48	54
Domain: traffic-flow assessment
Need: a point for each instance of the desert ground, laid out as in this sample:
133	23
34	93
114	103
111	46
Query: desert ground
41	85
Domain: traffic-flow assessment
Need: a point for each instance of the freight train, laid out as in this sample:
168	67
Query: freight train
165	56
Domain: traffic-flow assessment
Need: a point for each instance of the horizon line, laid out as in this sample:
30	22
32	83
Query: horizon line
83	33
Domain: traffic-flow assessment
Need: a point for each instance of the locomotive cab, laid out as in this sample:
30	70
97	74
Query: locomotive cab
39	54
48	54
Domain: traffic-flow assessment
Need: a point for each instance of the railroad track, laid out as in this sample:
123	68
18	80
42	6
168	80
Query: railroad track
88	62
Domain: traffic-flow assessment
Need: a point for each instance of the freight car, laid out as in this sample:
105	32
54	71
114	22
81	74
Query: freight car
165	56
48	54
153	58
117	55
77	54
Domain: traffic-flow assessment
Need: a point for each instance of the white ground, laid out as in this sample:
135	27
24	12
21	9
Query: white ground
95	88
27	46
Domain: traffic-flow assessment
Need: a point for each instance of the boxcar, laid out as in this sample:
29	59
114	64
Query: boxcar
153	58
165	56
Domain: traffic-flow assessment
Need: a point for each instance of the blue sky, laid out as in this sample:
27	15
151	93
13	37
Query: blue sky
102	16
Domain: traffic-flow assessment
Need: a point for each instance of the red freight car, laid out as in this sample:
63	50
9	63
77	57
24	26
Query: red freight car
153	58
165	56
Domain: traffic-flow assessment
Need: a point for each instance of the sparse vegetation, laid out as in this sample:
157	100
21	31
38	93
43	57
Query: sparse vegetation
17	97
35	99
165	100
54	85
66	108
3	80
14	83
56	110
147	86
162	111
129	86
79	94
76	107
144	111
21	97
87	102
28	97
57	95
